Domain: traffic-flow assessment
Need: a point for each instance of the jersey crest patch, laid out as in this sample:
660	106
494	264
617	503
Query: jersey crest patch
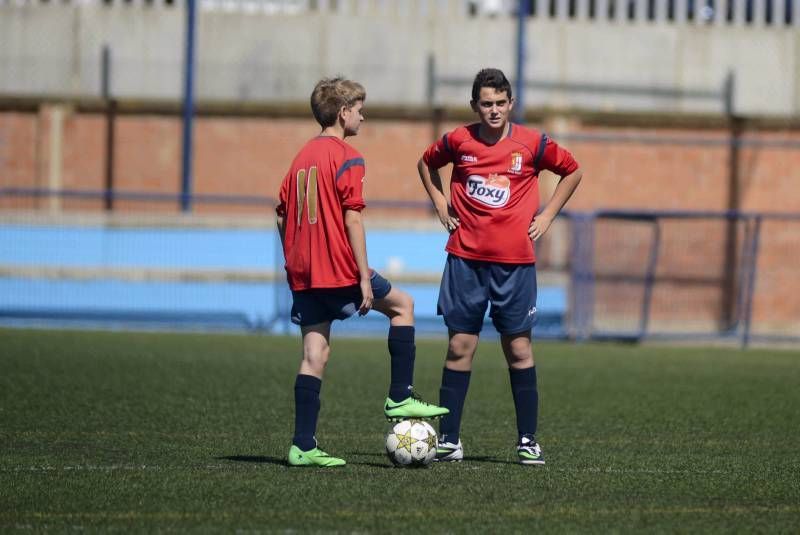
516	163
493	191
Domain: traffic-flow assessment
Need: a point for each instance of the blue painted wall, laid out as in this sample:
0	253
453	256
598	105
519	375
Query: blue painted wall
250	305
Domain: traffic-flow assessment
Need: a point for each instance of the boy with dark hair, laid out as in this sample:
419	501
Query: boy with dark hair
493	222
320	225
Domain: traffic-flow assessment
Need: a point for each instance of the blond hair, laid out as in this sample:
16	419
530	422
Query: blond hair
330	94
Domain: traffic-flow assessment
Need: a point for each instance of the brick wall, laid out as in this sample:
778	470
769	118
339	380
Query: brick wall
670	168
248	156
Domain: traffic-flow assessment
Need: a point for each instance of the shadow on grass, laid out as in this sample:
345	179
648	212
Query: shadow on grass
485	459
471	458
363	454
253	459
374	465
282	462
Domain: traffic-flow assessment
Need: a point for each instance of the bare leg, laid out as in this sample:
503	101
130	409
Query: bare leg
461	351
518	350
316	349
398	306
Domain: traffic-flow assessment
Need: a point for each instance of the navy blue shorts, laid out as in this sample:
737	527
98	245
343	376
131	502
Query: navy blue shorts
469	285
319	305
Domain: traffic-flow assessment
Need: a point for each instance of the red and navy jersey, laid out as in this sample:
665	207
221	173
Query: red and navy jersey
324	180
494	189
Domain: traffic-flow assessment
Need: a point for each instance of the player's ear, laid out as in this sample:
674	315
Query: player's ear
474	105
511	102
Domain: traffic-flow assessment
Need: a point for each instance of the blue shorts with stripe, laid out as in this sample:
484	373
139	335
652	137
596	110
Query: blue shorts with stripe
468	286
320	305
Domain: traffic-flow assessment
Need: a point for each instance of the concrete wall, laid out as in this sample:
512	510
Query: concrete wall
277	55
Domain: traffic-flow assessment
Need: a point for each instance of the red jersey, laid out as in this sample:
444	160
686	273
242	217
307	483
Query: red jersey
324	180
494	189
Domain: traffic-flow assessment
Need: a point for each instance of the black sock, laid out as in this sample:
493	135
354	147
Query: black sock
451	396
526	399
306	403
402	352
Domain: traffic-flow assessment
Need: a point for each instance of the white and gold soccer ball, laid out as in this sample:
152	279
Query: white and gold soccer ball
411	443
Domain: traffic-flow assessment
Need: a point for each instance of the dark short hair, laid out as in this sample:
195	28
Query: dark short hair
330	94
493	78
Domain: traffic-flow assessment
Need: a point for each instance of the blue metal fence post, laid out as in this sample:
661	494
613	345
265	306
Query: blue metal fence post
110	112
188	109
519	104
582	277
577	267
649	280
591	286
751	282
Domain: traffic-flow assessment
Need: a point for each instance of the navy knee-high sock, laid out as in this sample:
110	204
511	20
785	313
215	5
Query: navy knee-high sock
452	395
402	352
526	399
306	410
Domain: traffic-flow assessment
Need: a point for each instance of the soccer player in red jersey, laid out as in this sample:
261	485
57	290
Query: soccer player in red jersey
493	219
321	229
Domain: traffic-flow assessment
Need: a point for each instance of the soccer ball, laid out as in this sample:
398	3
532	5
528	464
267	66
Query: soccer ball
411	443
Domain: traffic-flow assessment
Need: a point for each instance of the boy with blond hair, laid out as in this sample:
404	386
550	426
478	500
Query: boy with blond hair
322	232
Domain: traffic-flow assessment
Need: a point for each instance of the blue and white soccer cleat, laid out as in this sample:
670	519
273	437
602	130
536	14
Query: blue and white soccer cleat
447	452
529	452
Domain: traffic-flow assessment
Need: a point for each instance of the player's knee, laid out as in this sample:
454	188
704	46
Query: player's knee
519	354
397	303
460	349
406	304
520	361
317	358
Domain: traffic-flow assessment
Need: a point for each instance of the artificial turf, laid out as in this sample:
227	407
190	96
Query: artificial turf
149	432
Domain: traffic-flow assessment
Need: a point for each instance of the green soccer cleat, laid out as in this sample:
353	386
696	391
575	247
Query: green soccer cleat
529	451
315	457
412	407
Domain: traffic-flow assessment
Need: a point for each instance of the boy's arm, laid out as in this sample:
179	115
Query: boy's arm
282	229
564	190
358	242
433	185
280	210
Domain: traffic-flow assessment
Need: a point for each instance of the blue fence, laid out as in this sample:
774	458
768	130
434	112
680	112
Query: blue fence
623	274
154	271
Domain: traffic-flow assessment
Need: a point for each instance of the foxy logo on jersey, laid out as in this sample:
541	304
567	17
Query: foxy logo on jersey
493	191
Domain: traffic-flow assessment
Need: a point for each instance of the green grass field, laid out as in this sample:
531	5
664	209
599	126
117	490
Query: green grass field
157	432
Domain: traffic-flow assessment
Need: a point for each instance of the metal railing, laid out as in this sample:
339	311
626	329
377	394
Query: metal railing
757	13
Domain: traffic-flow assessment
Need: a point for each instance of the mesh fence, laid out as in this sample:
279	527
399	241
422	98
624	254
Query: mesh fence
88	267
631	275
775	312
685	276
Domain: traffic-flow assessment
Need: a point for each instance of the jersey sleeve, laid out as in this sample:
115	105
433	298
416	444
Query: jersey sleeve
350	183
555	158
439	153
283	196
